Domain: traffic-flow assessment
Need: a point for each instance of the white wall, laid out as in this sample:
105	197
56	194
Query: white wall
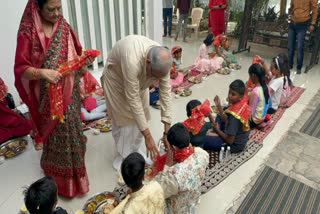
154	20
10	16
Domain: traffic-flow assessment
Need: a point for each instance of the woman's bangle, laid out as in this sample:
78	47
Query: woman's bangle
35	73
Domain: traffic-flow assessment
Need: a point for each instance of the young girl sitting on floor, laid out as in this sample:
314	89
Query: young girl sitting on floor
42	196
232	125
93	104
278	67
259	99
176	53
176	77
221	42
196	124
208	62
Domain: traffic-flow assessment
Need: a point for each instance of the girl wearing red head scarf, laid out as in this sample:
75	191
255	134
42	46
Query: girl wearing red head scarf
220	43
216	16
176	77
45	42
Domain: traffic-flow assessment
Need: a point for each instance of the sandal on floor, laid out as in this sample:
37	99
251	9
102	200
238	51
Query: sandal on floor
156	104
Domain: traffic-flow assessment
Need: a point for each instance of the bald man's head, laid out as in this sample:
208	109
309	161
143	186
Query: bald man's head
160	60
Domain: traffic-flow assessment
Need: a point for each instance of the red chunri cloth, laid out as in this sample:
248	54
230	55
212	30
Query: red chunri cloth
241	111
195	122
56	90
3	90
179	155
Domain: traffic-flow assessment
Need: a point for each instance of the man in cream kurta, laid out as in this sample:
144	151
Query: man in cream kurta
132	66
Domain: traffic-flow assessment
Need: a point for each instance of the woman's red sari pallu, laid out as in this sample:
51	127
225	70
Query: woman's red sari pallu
64	143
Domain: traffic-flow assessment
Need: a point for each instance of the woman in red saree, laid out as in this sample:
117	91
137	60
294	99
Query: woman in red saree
45	41
216	16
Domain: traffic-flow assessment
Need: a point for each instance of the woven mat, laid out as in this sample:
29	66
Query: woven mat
194	72
296	92
312	125
220	171
275	192
258	135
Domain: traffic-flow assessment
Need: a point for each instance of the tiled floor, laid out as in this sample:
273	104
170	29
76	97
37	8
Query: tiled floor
25	168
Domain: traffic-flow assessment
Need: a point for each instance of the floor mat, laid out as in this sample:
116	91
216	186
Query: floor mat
312	126
220	171
275	192
259	135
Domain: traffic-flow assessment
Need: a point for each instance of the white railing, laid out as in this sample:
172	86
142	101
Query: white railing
100	23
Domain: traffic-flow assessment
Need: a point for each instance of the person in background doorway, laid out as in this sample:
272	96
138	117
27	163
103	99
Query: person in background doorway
167	6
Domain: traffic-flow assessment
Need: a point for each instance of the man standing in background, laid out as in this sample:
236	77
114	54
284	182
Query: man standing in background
300	20
167	6
183	6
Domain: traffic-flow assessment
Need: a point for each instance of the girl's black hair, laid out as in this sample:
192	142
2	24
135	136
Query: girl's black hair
41	196
282	63
208	41
41	3
191	104
259	71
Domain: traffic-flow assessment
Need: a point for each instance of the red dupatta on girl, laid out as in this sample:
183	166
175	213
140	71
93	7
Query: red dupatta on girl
179	155
219	39
32	51
241	111
89	85
195	122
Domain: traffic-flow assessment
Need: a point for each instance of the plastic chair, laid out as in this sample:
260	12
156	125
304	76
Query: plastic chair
175	15
196	16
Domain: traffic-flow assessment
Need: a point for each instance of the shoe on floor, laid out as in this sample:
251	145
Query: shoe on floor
298	71
156	104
